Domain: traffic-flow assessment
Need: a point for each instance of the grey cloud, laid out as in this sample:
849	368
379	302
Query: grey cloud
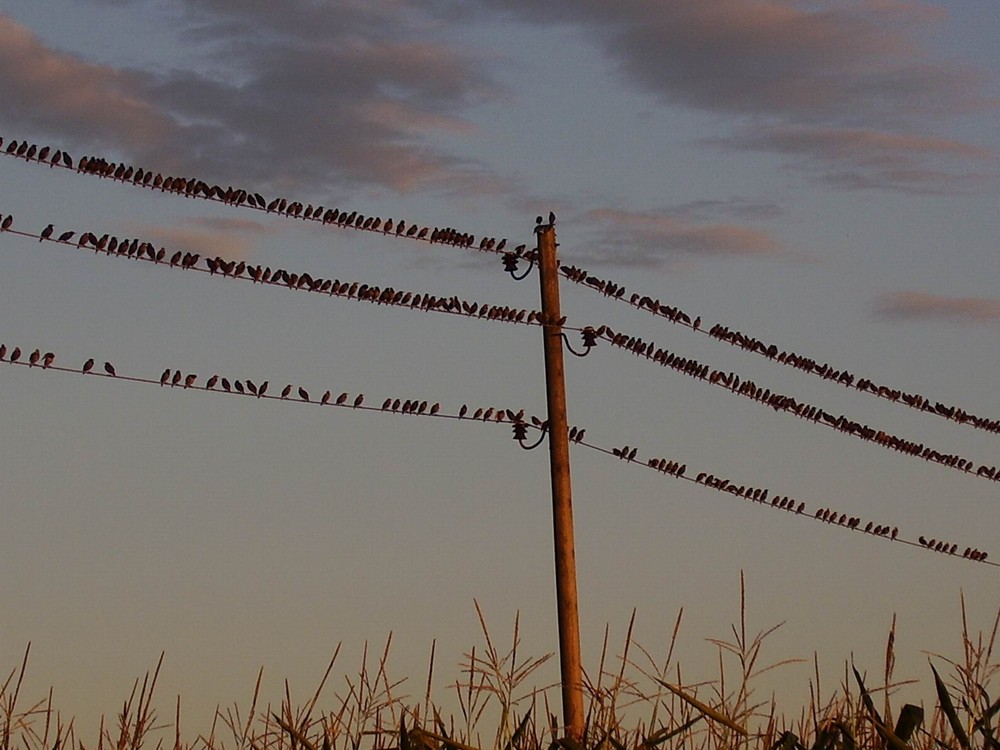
328	96
847	66
863	158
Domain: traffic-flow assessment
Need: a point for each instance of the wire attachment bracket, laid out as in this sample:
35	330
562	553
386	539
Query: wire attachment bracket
510	261
521	435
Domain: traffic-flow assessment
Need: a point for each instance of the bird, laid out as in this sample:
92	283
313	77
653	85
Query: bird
189	380
262	389
3	350
109	369
7	221
66	236
211	382
239	386
88	365
34	357
463	411
225	385
286	390
176	378
358	400
303	394
47	359
326	398
46	233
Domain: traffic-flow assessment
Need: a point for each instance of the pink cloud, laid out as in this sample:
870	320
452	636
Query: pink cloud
48	89
922	306
647	238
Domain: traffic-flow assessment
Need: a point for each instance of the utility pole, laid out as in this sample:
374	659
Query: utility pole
562	499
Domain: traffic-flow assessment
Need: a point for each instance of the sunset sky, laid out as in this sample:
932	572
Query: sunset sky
818	175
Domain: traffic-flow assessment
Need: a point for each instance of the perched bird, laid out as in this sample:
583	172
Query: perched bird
7	221
326	398
286	390
66	236
303	394
3	351
46	233
358	400
176	378
47	359
189	380
16	354
225	385
211	382
263	389
341	398
109	369
34	357
88	365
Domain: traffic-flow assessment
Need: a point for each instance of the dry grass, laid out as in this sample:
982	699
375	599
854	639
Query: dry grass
640	703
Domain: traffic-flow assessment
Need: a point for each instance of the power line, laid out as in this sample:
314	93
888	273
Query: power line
771	351
293	393
731	382
192	187
134	249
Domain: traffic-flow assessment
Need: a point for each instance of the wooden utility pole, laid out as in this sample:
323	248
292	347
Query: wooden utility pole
562	498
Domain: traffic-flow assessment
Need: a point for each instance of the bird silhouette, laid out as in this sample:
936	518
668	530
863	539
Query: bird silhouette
16	354
110	369
46	233
211	382
341	399
358	400
47	359
88	365
303	394
6	223
34	357
66	236
286	390
326	398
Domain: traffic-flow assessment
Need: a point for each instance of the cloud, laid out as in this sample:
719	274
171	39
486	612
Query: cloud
865	157
56	92
650	239
833	79
922	306
299	95
231	239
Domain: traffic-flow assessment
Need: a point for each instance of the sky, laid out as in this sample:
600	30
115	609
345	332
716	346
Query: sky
818	175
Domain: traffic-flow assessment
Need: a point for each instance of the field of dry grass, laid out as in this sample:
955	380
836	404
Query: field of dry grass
634	700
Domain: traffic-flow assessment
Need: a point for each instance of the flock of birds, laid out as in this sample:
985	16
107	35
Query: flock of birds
772	352
176	378
791	505
136	249
193	187
779	402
